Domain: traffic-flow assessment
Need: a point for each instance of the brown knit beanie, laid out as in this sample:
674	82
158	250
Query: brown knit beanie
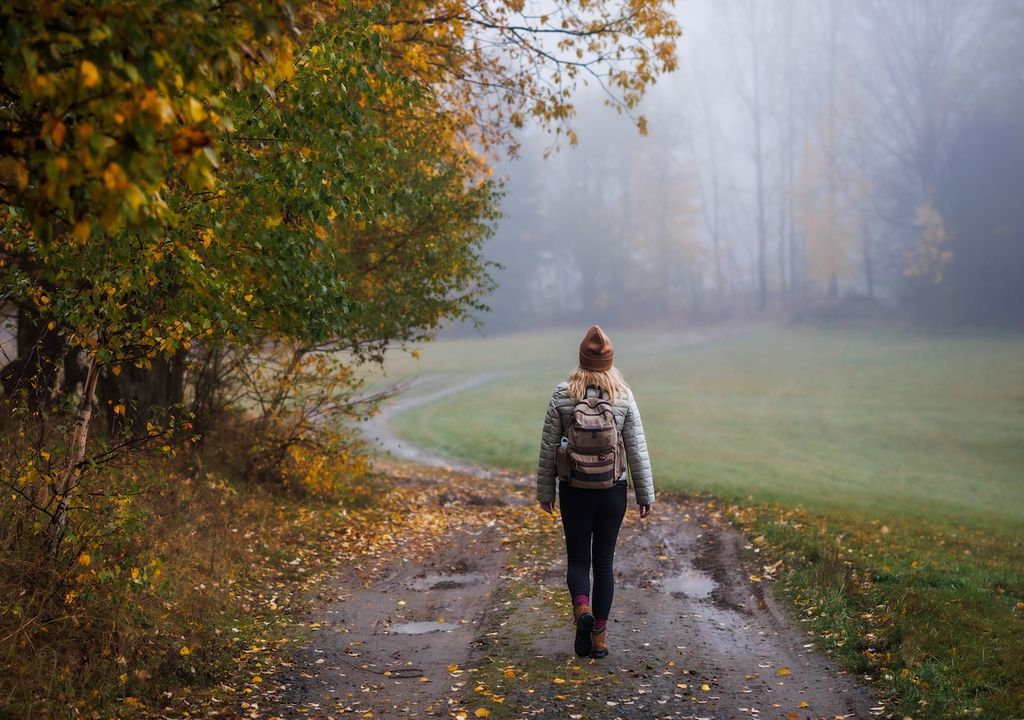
596	351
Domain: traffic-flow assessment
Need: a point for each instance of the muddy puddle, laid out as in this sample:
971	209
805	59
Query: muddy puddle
690	584
421	628
445	582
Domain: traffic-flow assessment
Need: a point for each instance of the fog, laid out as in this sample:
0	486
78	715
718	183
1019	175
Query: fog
818	158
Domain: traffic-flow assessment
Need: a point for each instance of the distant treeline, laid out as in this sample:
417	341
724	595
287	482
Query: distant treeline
832	157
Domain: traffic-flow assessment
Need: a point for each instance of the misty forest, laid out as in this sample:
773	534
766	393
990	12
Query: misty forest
837	156
288	292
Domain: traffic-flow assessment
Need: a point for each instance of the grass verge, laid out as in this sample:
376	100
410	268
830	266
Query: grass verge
933	612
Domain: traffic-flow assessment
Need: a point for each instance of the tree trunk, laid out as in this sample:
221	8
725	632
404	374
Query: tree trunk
869	265
141	390
76	454
40	353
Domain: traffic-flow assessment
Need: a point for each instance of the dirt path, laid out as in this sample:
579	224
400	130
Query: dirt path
471	619
378	431
475	617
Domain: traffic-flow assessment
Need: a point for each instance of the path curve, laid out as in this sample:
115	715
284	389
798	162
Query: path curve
378	431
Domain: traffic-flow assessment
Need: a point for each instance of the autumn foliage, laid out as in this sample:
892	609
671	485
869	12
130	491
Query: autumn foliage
210	215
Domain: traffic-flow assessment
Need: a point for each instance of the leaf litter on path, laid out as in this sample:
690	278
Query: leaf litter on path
477	559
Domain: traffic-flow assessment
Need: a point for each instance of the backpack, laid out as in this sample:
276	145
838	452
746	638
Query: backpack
592	454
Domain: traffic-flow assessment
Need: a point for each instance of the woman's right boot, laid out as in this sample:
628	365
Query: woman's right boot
584	620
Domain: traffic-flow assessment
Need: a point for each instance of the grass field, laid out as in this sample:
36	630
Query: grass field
887	424
886	468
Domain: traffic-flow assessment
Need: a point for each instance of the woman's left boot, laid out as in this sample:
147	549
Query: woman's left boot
584	620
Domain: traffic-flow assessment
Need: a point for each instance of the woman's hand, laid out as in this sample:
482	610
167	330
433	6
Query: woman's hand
645	510
547	506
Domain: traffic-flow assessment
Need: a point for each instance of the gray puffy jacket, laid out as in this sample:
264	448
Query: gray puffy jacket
627	419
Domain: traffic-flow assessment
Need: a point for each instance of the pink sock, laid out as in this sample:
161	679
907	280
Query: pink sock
599	624
581	600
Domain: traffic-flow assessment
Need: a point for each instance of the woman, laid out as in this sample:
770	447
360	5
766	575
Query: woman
592	512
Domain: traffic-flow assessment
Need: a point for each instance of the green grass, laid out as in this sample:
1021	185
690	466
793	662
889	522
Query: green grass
886	469
893	423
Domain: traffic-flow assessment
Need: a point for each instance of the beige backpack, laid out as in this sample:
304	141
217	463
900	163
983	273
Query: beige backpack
591	455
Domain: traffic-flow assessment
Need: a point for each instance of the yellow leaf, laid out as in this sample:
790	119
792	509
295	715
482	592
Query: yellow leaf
122	678
84	560
90	74
184	651
424	679
114	177
804	704
57	132
81	231
135	573
257	679
559	681
783	672
119	409
194	110
134	197
792	715
482	712
705	687
44	454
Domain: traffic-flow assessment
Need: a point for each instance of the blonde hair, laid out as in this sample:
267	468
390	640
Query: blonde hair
609	380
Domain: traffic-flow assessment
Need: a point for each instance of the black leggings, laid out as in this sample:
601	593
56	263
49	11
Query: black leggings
591	515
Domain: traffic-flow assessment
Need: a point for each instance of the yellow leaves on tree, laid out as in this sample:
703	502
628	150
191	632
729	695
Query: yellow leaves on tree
496	62
929	256
90	74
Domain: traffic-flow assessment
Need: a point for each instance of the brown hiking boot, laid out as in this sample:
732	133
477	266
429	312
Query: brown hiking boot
599	643
584	620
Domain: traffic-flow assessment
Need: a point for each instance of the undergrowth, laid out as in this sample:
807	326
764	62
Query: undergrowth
157	599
